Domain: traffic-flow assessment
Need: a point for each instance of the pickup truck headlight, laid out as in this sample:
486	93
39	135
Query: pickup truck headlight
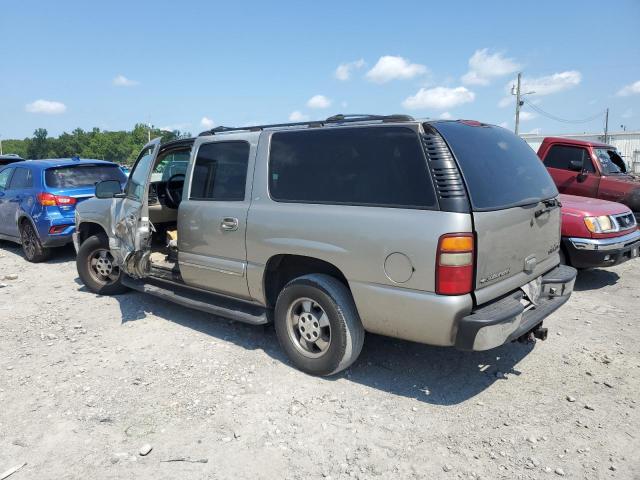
601	224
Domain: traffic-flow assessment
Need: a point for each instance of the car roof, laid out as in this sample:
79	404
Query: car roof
63	162
573	141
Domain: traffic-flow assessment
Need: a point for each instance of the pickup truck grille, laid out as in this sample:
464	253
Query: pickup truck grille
625	221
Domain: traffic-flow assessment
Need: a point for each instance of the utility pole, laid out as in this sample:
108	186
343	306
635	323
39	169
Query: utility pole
606	126
518	104
517	91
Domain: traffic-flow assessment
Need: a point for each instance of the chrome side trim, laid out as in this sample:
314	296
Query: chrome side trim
207	267
601	244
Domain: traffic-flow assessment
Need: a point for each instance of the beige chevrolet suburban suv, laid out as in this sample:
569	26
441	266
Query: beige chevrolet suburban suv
440	232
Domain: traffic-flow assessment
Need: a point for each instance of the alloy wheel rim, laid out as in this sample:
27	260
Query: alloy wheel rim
28	241
102	268
308	327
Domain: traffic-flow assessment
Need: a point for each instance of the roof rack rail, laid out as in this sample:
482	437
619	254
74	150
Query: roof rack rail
363	117
339	118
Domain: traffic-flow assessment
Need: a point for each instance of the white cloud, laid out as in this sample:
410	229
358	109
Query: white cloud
485	66
46	106
318	101
439	98
176	126
526	116
504	124
628	113
207	123
535	131
631	89
445	116
122	81
506	101
549	84
297	116
394	68
344	70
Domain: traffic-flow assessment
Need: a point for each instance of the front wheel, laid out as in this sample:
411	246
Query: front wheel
96	267
318	325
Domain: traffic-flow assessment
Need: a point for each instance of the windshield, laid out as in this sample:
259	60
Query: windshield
78	176
610	162
499	168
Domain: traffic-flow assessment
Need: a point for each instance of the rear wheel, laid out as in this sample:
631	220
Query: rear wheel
318	325
96	267
31	246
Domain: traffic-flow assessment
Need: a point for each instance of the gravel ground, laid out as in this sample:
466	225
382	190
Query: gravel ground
89	383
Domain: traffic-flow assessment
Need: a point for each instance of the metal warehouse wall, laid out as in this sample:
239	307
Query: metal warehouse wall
627	144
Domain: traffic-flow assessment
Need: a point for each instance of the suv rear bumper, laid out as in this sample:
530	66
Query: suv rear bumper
514	315
602	252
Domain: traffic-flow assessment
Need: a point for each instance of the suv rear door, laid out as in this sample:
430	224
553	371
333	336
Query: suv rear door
16	192
5	177
515	212
212	218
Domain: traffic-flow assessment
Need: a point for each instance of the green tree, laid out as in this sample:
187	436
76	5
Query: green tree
39	145
117	146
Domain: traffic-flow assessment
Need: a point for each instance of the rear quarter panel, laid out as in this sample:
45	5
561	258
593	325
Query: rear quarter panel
357	240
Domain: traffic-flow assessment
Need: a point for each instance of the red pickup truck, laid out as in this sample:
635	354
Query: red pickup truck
590	169
597	233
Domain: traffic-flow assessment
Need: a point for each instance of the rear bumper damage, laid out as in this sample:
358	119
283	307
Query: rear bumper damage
515	315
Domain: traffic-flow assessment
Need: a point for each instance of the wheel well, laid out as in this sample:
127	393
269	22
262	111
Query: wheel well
88	229
281	269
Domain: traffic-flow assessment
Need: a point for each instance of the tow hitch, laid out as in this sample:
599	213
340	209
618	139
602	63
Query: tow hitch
537	332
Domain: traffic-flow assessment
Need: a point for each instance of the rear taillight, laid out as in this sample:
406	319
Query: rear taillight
58	228
454	264
50	200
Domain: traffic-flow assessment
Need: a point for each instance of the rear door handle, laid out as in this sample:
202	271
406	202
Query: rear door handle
229	224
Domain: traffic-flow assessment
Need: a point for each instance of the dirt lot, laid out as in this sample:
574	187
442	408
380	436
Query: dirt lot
86	381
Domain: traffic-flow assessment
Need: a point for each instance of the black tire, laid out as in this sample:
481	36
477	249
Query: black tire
32	248
93	276
345	332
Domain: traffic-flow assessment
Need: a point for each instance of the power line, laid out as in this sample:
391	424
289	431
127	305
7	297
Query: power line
563	120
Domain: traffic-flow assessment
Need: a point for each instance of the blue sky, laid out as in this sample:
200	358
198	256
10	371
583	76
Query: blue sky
193	64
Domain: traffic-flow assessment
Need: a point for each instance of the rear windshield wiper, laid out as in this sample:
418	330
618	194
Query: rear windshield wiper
549	205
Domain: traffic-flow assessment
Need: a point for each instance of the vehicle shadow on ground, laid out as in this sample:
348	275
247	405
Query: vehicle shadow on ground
435	375
594	279
58	254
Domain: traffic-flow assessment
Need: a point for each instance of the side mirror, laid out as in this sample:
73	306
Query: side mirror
108	189
576	165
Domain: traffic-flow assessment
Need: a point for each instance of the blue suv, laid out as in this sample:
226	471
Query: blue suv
38	199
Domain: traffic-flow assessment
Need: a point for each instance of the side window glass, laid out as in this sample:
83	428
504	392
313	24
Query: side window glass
138	177
5	175
560	156
173	163
22	178
377	166
220	171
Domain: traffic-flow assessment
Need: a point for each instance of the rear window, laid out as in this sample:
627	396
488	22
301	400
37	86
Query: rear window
499	168
77	176
371	166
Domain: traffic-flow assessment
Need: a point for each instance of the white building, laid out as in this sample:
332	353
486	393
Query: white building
627	144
